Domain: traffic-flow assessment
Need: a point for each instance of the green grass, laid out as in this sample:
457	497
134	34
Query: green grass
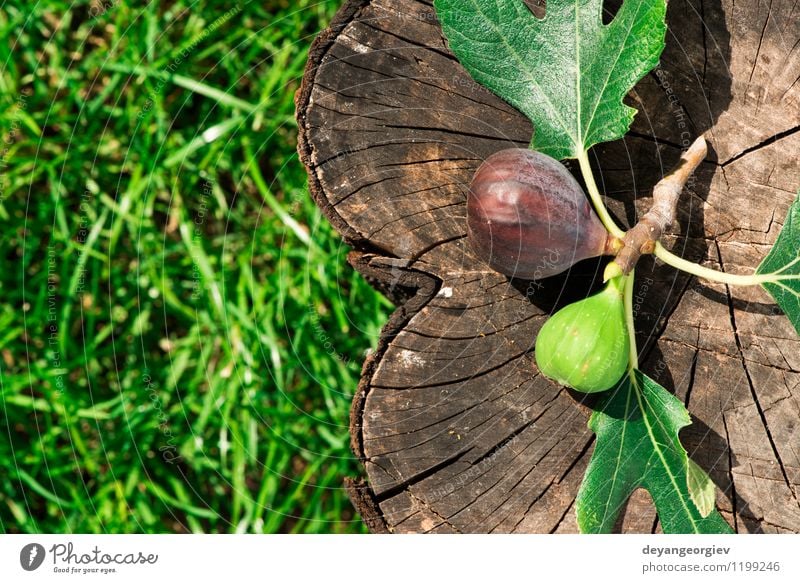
180	335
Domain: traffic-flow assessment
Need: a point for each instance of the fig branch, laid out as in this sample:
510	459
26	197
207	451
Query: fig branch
642	238
645	236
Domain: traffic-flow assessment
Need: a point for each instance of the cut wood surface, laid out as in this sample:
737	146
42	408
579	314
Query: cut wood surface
456	429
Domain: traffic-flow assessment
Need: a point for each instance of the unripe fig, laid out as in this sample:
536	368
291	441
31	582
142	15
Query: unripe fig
586	345
527	216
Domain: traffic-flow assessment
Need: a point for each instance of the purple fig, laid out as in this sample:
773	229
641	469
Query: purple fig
527	216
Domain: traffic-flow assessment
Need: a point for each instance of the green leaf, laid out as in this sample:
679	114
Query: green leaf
701	488
783	260
637	445
568	72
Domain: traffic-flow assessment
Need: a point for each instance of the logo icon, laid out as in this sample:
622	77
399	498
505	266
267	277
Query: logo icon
31	556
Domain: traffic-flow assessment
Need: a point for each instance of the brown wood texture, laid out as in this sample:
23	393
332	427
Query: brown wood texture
456	429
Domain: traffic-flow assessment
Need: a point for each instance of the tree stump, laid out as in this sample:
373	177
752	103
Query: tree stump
456	429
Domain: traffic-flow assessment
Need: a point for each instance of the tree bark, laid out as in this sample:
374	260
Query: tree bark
456	429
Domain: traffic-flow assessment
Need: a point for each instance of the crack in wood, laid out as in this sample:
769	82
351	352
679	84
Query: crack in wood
753	391
762	144
734	501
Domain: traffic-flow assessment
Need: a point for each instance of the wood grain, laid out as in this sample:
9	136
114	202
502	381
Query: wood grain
456	429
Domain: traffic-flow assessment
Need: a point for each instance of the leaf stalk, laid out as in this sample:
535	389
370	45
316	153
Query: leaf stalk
665	195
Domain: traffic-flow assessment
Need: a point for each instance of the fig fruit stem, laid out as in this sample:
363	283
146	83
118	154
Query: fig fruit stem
633	361
596	198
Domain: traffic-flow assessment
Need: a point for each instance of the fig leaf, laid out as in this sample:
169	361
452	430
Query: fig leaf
783	260
568	72
637	446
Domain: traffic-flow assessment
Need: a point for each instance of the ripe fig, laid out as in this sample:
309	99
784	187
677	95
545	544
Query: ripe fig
586	345
527	216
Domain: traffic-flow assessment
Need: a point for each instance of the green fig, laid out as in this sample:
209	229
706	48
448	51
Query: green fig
585	345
